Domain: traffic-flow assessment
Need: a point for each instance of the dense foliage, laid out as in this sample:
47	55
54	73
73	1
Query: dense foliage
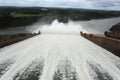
21	16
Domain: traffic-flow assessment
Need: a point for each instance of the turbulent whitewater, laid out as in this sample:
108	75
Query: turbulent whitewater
58	53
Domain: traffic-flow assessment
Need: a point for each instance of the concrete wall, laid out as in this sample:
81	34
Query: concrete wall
112	45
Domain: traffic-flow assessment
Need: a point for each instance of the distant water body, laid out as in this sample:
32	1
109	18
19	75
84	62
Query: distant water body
96	26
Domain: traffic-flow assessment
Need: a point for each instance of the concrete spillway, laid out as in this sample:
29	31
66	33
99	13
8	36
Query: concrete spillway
52	56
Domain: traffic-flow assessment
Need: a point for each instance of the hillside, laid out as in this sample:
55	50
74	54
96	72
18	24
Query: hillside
23	16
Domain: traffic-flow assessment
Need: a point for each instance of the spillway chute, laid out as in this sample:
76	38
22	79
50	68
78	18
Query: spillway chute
58	53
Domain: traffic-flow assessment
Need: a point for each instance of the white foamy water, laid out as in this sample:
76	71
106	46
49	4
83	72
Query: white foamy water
95	26
58	53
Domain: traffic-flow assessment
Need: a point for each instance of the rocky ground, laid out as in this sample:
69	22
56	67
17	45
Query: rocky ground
113	34
115	28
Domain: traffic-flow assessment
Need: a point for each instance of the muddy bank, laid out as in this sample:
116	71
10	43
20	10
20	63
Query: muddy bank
110	44
6	40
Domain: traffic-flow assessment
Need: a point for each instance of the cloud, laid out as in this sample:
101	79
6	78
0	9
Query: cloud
89	4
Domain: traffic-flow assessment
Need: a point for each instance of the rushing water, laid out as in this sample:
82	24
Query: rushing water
58	53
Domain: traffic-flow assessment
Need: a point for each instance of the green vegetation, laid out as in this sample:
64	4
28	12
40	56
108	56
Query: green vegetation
22	16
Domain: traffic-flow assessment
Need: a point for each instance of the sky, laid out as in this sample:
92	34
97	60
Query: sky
87	4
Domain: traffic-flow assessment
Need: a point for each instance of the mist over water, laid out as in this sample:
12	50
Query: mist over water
95	26
60	53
